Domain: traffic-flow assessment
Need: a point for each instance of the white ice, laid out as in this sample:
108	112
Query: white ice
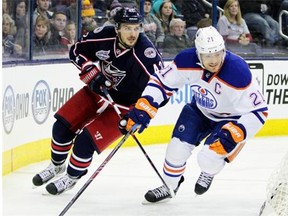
238	190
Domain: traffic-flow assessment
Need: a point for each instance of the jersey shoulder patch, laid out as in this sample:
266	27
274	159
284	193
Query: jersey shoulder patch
235	71
187	58
150	52
145	49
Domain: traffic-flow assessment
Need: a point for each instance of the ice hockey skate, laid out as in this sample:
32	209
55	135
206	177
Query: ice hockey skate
47	174
203	183
60	185
160	194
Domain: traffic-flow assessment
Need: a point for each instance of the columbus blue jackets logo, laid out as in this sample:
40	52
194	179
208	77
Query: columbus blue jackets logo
113	74
103	54
150	52
204	97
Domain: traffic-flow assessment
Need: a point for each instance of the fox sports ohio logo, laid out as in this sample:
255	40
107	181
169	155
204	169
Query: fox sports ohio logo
41	102
8	109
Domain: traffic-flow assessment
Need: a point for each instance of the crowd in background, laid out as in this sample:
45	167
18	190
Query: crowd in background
171	25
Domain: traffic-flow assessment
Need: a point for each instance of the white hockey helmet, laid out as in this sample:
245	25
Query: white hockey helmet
208	40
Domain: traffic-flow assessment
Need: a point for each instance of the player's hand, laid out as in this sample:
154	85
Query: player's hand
88	72
122	125
144	110
95	79
228	137
98	82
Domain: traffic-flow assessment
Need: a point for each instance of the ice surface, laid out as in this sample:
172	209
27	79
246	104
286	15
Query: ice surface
238	190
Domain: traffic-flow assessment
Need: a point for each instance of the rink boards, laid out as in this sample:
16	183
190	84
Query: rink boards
32	94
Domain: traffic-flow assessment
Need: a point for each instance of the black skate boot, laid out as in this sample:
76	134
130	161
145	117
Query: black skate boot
203	183
60	185
47	174
161	193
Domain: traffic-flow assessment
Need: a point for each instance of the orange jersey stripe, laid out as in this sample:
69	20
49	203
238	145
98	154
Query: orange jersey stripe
174	170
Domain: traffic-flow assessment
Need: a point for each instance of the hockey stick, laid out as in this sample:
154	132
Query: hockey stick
112	153
106	93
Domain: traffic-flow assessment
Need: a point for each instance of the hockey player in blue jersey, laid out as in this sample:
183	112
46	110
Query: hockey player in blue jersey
125	57
227	108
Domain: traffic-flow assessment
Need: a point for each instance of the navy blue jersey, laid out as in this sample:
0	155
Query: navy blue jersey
129	70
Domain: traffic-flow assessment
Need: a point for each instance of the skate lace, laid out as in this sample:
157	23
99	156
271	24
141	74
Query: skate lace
48	173
161	192
64	183
204	179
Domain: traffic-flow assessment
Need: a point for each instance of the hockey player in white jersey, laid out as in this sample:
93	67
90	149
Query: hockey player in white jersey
227	108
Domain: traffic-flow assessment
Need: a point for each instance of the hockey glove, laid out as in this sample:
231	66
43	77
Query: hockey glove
122	125
144	110
98	82
228	137
95	79
88	72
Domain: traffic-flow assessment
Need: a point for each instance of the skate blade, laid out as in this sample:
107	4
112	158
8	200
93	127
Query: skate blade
145	202
34	187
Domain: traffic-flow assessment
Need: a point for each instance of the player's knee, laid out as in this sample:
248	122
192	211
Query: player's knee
61	132
178	152
84	145
209	161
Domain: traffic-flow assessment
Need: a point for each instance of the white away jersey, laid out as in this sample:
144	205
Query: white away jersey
230	94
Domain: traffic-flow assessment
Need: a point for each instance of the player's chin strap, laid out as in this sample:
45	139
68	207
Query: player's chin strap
115	106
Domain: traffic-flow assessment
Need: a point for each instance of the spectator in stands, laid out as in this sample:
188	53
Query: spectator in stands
71	11
9	47
204	22
42	9
58	24
87	17
59	5
193	11
21	22
257	15
102	5
129	3
179	5
4	7
124	3
176	40
156	4
69	36
41	37
165	13
283	6
152	25
114	7
232	26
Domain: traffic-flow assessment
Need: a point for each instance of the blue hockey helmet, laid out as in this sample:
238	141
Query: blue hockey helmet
127	15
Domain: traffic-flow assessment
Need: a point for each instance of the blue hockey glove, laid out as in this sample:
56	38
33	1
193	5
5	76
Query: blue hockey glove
228	137
144	110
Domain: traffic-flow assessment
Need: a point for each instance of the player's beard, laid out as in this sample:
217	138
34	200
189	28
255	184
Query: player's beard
123	44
